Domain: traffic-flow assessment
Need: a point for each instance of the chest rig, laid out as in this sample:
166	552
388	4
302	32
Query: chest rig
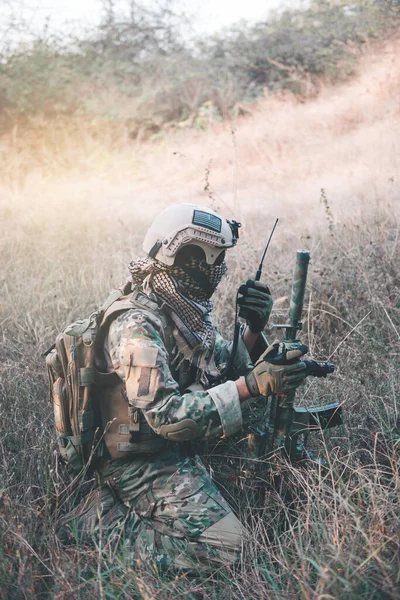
125	429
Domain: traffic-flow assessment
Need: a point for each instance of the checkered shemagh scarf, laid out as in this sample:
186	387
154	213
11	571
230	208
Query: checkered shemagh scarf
186	290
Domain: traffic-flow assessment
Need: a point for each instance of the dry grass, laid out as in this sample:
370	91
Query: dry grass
74	206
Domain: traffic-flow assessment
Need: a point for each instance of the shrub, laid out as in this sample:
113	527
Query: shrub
140	67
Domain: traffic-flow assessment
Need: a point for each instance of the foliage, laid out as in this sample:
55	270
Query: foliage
295	46
141	67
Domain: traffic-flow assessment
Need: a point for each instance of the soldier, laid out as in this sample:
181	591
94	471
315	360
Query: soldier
167	386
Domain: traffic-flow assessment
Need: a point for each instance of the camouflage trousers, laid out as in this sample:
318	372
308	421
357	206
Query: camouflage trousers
162	510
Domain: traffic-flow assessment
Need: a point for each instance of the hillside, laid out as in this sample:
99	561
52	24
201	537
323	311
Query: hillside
283	151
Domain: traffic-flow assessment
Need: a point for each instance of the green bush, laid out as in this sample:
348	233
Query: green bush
141	68
318	42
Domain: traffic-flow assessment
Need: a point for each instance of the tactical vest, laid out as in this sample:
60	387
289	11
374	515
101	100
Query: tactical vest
126	431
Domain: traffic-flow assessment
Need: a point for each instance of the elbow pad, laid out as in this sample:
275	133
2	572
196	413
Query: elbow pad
183	431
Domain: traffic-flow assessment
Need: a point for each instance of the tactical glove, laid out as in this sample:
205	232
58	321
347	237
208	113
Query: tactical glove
278	370
255	303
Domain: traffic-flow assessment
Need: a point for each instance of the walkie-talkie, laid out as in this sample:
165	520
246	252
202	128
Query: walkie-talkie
237	313
242	311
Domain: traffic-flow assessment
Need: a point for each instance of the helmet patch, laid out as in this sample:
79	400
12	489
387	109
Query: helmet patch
205	219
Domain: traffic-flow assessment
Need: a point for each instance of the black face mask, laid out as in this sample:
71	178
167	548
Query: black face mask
195	278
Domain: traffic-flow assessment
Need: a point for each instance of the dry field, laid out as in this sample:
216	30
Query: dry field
75	200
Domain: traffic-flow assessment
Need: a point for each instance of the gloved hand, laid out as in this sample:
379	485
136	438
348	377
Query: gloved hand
255	303
278	370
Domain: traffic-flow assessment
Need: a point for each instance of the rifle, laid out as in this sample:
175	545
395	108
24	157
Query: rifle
288	426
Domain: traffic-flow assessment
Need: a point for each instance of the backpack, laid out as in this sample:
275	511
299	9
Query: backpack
76	385
72	378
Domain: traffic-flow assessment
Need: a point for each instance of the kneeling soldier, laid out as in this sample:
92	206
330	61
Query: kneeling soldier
165	384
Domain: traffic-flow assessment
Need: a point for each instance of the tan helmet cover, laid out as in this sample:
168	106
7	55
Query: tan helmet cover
183	224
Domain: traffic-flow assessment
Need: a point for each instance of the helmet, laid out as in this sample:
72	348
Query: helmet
188	224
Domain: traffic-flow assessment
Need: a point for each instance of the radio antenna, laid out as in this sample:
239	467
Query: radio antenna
237	324
259	270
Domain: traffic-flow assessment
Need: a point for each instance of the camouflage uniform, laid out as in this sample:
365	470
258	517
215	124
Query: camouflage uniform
160	382
163	505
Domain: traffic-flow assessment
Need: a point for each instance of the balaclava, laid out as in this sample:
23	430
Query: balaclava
186	287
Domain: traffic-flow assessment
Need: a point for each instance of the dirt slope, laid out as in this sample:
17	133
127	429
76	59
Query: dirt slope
346	141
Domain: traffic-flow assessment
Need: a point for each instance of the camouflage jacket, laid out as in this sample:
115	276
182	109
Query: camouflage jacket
178	402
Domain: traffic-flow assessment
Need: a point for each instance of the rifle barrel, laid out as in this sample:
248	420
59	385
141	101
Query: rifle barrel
298	291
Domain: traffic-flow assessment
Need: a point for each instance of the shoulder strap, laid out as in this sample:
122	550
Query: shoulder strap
117	303
159	317
113	297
